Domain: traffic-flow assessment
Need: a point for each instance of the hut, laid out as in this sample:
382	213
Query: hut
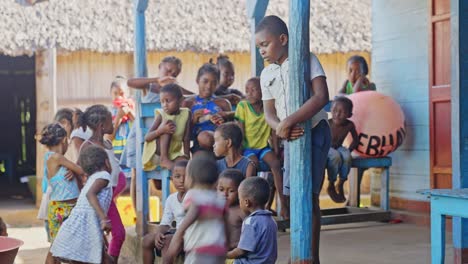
60	53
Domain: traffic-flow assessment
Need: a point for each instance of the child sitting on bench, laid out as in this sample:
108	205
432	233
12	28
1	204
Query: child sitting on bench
339	157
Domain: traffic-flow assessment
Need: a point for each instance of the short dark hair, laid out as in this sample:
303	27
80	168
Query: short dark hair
362	63
181	163
203	170
173	59
120	82
52	134
273	25
348	104
92	159
208	68
256	81
233	174
223	61
92	116
64	113
233	132
257	189
173	89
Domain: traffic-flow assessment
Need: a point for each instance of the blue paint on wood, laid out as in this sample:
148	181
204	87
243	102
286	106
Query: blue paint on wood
301	182
256	11
459	94
141	70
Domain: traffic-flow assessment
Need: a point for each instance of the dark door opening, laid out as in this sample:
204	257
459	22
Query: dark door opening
17	122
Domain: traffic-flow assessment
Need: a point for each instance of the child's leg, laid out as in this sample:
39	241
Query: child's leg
148	248
334	164
133	189
164	145
275	166
118	230
167	242
344	170
321	139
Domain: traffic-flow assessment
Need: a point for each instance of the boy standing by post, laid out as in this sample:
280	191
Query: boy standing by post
271	36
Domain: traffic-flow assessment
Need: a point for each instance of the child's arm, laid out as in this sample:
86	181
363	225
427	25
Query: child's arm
236	253
91	195
270	113
62	161
142	83
343	88
311	107
251	170
360	83
226	114
188	129
355	137
275	143
178	239
159	128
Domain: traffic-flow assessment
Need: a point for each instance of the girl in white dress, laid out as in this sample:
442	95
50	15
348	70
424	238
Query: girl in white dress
81	237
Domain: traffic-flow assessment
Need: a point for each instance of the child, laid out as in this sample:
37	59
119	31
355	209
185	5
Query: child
99	120
169	68
228	185
226	69
228	142
258	242
271	36
357	80
169	136
173	211
63	187
203	232
123	114
251	119
3	228
81	237
339	157
208	111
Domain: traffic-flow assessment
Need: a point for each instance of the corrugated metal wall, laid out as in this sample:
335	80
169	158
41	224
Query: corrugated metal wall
83	78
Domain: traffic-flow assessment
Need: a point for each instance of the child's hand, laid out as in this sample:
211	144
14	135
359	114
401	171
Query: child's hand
234	99
296	132
69	175
166	80
120	114
168	127
159	241
106	225
217	119
197	114
283	129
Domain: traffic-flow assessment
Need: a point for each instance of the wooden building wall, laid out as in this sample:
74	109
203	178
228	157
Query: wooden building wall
400	68
83	78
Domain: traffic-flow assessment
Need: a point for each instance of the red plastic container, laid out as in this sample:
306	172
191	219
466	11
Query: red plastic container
8	249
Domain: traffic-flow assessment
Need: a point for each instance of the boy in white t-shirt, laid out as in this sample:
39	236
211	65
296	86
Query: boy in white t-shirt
173	211
271	36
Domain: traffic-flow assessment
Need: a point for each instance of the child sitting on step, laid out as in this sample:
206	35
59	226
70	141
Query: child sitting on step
339	157
168	139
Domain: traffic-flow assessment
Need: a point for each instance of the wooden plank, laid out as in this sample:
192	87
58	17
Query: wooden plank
46	103
300	149
140	71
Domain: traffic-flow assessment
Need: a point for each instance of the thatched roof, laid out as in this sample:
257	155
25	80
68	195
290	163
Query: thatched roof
204	26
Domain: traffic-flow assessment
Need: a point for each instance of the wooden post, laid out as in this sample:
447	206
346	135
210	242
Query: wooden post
255	11
46	102
300	149
139	57
459	97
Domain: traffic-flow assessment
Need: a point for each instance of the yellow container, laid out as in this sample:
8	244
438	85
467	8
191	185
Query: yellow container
127	213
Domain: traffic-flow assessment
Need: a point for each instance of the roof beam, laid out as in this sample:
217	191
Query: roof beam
300	150
256	10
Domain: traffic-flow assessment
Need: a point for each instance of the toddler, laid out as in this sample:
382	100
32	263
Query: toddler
339	157
357	80
258	242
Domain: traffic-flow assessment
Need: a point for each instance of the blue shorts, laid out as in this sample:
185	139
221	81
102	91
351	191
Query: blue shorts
259	153
321	141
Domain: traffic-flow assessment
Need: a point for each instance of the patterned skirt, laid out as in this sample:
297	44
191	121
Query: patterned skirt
58	212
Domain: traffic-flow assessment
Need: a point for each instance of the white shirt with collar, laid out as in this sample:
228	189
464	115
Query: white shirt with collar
275	86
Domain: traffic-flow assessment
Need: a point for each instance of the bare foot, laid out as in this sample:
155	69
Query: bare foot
332	192
166	163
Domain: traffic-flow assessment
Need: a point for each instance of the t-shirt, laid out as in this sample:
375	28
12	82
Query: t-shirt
256	130
207	234
80	133
173	211
275	86
258	238
241	165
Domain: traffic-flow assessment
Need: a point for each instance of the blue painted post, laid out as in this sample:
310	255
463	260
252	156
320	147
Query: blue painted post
255	11
300	149
459	96
139	58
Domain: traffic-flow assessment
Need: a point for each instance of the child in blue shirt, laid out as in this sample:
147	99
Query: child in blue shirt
258	242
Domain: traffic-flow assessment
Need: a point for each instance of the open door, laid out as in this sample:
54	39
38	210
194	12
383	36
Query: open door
439	94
